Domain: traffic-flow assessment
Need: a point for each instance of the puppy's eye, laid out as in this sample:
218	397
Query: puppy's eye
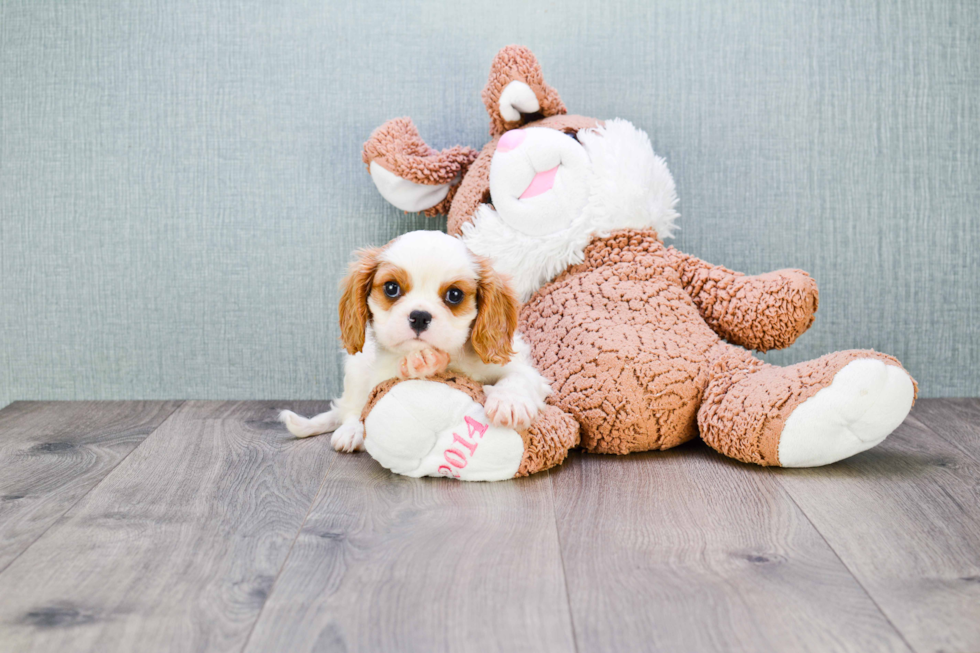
573	135
454	296
392	289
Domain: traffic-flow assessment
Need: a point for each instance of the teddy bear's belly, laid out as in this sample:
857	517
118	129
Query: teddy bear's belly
628	358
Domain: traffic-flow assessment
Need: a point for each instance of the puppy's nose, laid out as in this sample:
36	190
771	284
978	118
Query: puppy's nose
419	321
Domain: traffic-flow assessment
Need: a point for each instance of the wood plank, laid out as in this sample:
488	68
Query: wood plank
177	548
905	519
685	550
388	563
52	453
955	420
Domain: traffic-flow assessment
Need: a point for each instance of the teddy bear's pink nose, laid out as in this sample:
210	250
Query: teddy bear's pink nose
511	140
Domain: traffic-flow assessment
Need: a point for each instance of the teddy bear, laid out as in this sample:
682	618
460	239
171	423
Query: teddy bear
646	347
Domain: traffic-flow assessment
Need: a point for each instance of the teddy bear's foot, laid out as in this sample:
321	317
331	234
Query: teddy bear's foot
438	427
809	414
864	403
425	428
548	440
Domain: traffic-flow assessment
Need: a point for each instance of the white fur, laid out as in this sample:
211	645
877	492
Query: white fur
512	171
628	187
432	258
515	391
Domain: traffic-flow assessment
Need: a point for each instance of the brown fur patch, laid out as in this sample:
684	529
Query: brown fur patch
389	272
353	308
468	287
496	320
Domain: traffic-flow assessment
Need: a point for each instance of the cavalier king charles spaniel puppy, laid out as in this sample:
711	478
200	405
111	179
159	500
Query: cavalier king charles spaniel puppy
418	306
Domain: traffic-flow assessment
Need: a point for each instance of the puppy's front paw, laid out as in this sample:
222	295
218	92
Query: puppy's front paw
423	363
508	408
349	437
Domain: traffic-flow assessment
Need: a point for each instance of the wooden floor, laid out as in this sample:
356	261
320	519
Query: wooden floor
203	526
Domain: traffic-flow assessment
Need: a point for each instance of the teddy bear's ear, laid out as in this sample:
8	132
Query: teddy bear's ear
516	93
410	174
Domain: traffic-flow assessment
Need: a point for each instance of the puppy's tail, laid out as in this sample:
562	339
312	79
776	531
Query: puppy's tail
303	427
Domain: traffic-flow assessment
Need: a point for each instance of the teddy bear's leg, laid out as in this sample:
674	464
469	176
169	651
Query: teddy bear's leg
437	427
547	441
805	415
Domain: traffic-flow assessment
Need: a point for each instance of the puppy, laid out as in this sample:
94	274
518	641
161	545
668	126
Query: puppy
418	306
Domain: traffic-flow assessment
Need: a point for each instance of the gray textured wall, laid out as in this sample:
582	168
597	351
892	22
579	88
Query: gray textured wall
180	183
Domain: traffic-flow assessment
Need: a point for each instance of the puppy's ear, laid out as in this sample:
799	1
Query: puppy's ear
496	318
354	311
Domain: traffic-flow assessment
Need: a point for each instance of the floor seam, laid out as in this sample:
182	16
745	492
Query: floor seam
951	443
292	545
857	580
561	559
97	484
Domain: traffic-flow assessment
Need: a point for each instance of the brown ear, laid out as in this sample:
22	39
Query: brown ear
528	97
496	319
410	174
354	311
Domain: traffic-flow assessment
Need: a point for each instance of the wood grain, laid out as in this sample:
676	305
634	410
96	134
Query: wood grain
905	519
687	551
955	420
218	531
177	548
388	563
52	453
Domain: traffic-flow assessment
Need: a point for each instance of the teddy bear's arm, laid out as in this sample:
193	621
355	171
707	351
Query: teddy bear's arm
410	174
761	312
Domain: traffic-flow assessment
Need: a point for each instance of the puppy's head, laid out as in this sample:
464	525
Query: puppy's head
425	289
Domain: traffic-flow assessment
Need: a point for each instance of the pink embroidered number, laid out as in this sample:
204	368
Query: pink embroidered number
446	470
475	426
455	457
466	443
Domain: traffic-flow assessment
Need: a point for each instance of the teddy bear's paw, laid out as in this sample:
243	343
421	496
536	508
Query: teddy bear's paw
349	437
427	428
864	403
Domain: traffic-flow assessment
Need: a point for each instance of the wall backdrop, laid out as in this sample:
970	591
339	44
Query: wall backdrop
181	185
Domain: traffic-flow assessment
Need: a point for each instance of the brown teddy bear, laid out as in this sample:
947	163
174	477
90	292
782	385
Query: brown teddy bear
643	343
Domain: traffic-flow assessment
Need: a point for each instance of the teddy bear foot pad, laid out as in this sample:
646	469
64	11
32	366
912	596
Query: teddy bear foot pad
419	428
865	402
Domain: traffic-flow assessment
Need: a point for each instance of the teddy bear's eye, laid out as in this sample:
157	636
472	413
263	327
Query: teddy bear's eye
392	289
454	296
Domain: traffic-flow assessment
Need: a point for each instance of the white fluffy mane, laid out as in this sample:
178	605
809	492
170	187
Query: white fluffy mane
630	187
